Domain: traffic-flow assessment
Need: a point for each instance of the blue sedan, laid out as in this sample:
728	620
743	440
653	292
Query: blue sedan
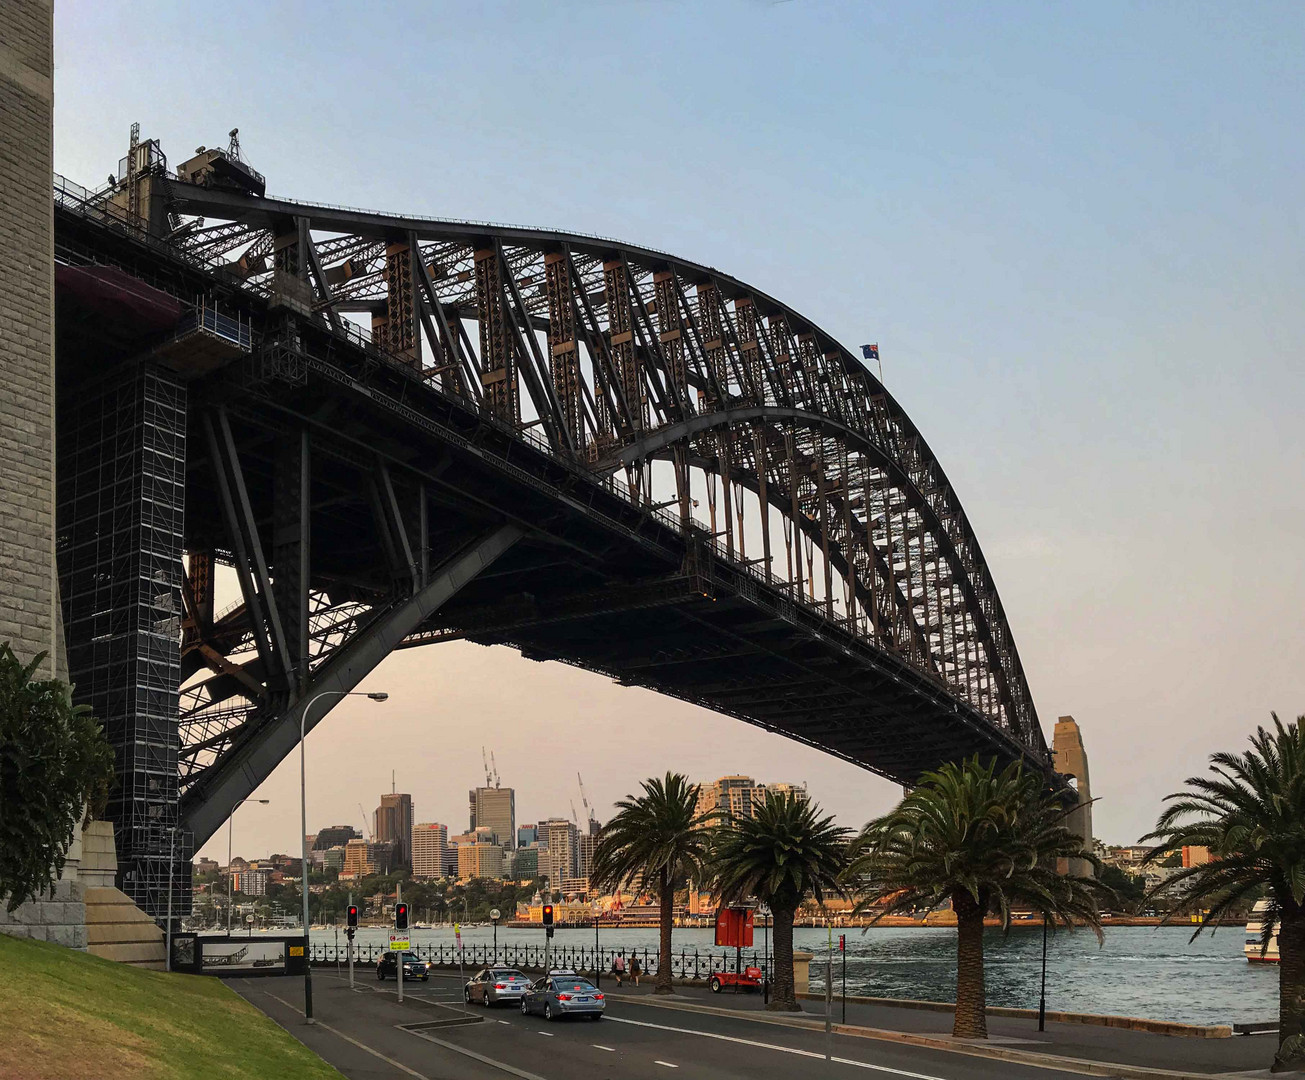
556	996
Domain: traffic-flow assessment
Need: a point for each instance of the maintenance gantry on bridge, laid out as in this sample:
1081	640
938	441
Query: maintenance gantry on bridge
400	431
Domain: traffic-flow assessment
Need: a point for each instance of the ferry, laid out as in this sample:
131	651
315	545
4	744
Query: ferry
1254	948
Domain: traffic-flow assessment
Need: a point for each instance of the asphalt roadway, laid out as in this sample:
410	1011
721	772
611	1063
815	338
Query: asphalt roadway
367	1035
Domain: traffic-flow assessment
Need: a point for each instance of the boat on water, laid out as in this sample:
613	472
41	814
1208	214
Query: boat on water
1254	948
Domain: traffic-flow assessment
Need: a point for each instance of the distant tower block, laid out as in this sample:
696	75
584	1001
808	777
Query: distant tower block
1071	760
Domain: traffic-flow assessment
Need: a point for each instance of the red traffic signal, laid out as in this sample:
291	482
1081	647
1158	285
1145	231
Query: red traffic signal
353	915
401	916
548	914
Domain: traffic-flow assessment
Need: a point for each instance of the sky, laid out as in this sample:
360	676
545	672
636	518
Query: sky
1074	230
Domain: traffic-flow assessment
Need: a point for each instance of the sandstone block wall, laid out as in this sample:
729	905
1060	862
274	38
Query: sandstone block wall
29	603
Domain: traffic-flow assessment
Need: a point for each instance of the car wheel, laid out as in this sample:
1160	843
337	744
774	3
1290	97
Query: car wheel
467	994
380	976
486	1002
548	1010
715	985
596	1016
524	1011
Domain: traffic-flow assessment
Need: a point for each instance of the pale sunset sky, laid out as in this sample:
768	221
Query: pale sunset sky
1074	230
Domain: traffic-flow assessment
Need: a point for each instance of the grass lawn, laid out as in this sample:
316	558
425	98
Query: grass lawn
65	1014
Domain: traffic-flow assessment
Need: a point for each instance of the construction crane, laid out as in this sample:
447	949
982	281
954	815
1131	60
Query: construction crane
494	765
484	759
366	828
589	810
574	816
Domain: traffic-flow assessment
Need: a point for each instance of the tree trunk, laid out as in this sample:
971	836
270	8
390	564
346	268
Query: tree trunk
663	984
1291	991
971	1021
782	995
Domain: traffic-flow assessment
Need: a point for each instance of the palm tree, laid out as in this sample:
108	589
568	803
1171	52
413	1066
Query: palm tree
987	839
783	853
657	840
1251	816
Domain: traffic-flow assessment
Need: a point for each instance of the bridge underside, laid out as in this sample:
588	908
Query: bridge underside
364	508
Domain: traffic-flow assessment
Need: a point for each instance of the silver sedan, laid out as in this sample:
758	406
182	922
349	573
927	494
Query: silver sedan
557	996
492	986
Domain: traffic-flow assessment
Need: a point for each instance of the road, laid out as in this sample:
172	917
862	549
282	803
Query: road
360	1034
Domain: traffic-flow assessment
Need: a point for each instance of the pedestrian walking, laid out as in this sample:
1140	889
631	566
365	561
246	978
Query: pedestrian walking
618	969
635	969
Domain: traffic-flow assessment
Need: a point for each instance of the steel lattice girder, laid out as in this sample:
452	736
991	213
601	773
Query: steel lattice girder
629	357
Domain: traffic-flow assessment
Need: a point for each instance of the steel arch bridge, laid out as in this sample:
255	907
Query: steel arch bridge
593	452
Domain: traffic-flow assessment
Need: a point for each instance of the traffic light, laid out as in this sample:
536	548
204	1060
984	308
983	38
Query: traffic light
401	916
353	915
548	914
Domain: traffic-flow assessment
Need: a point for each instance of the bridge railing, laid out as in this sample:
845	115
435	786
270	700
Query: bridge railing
685	964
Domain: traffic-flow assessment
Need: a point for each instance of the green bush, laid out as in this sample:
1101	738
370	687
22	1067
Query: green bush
55	765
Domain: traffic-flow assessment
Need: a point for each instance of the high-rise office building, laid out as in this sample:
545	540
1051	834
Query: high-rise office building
480	860
732	798
392	824
430	842
585	844
335	834
527	835
495	808
557	861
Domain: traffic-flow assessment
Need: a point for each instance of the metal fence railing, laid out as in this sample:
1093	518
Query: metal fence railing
685	964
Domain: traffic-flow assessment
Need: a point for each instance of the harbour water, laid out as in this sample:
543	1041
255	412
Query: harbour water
1152	972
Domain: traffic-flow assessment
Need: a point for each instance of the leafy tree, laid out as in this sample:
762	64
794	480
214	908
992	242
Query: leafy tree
987	839
783	853
55	767
1130	888
656	840
1250	814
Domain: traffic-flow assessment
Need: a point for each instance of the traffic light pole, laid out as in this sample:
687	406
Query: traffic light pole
398	896
349	935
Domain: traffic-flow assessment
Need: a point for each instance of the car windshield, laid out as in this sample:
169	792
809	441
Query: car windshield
409	957
573	985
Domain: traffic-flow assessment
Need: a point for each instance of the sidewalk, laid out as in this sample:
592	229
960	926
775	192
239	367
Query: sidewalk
1100	1050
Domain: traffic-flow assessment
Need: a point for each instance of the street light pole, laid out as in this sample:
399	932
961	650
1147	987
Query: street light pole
230	821
1042	1002
303	831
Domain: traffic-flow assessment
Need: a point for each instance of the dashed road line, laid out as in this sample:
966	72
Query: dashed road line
668	1064
776	1047
599	1046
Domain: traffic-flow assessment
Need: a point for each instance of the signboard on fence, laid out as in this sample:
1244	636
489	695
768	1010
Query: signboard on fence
399	944
203	954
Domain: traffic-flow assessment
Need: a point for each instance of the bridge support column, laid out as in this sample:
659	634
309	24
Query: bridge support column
122	462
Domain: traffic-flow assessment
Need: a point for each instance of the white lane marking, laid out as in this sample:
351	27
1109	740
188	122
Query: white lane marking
666	1063
493	1062
775	1047
361	1045
505	1022
599	1046
546	1034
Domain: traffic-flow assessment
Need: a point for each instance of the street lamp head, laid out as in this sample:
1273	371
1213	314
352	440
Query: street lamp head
379	695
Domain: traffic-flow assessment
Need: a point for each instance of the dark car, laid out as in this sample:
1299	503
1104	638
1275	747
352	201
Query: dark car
414	967
557	996
494	985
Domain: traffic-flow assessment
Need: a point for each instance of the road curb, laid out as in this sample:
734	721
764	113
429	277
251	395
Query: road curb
1085	1066
1125	1023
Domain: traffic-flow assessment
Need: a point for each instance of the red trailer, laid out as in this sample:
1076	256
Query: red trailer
750	979
734	928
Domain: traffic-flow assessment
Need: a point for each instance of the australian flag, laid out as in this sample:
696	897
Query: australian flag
870	352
